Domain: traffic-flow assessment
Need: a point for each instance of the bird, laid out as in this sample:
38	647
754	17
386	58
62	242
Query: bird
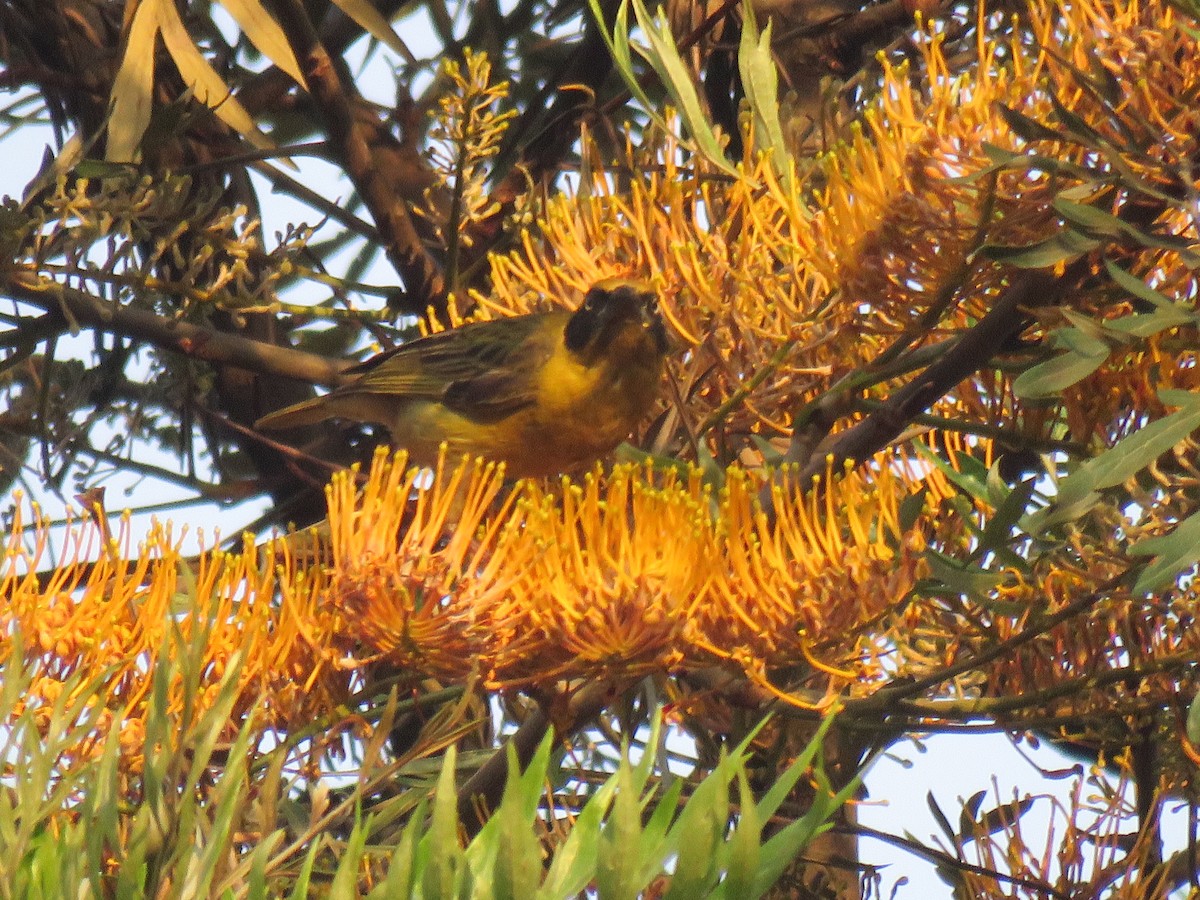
544	393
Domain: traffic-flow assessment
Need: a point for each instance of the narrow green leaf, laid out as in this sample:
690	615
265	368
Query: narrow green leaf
1088	217
1083	133
779	791
1144	325
301	889
664	58
619	839
1193	720
760	79
402	875
970	476
1003	159
442	875
967	580
1138	449
744	844
940	818
1056	374
966	815
783	847
1000	817
256	875
574	864
1026	128
1098	222
345	878
1063	510
1138	288
1064	246
696	834
618	46
1000	525
1173	553
518	866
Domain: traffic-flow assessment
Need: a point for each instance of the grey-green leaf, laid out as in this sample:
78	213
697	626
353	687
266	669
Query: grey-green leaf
1172	554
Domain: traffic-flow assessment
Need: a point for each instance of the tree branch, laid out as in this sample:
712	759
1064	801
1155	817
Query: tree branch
971	353
195	341
353	137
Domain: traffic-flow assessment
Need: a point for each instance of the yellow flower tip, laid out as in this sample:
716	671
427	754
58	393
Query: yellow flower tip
819	665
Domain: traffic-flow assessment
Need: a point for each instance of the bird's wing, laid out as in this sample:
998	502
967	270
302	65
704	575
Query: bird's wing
482	370
491	396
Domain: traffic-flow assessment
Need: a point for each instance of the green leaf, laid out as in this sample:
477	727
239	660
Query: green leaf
1058	373
402	875
970	476
1137	450
517	870
1000	525
779	791
1193	720
616	876
994	820
1144	325
1089	218
696	835
760	80
574	864
911	508
443	875
1098	222
966	815
1026	128
1172	554
300	890
1064	246
1079	491
345	878
1003	159
1138	288
966	580
1081	131
1065	509
744	844
664	58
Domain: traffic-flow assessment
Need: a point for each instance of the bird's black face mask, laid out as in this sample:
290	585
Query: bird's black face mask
605	309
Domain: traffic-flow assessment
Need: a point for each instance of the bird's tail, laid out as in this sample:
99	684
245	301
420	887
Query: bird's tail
298	415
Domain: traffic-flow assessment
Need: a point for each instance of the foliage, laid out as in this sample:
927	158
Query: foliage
205	816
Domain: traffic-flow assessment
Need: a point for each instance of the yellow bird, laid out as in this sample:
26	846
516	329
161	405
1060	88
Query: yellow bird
543	393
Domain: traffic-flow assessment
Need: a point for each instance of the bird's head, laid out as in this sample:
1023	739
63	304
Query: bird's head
618	322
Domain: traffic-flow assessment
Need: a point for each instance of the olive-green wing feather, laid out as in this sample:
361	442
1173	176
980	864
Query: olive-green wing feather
424	367
484	371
